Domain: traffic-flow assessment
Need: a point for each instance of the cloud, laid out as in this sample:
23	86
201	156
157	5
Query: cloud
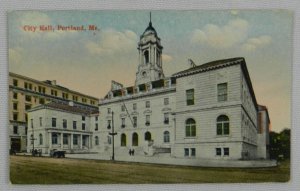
166	58
111	41
234	32
253	43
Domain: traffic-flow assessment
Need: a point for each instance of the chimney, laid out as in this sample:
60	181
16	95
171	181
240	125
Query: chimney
53	82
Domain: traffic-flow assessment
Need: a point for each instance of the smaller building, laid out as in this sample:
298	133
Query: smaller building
60	126
263	133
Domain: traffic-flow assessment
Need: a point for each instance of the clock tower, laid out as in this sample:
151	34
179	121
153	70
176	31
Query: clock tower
150	57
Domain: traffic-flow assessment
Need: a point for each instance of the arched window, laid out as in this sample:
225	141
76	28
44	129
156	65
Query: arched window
54	138
41	139
147	136
146	57
166	137
222	125
190	128
135	139
123	140
96	140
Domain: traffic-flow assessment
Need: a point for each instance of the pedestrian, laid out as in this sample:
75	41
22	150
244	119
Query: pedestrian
132	152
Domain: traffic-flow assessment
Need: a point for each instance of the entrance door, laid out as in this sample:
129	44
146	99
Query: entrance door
15	144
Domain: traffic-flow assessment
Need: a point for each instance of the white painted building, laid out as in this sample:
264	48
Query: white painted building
60	126
206	112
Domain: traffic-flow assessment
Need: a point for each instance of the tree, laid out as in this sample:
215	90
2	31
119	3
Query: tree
280	144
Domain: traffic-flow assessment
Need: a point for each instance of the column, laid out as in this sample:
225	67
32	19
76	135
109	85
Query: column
61	141
50	141
90	142
80	141
71	135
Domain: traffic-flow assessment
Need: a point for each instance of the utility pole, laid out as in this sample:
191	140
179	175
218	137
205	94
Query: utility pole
113	136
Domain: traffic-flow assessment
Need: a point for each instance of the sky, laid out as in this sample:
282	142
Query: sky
87	61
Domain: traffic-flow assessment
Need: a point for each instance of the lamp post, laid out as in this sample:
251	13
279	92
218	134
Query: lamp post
32	138
113	136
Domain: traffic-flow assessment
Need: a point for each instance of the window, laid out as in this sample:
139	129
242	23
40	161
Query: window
92	102
53	122
74	125
83	126
15	82
222	125
189	152
147	104
41	121
26	117
193	152
166	137
75	139
134	121
41	139
147	120
83	118
15	106
108	110
83	100
15	129
15	116
108	124
27	86
123	140
65	123
28	98
147	136
109	139
96	140
42	101
190	97
166	101
186	152
190	128
123	123
222	92
146	57
65	139
135	139
65	95
27	107
75	98
42	89
123	107
31	138
134	106
96	126
226	151
166	118
54	92
218	151
54	139
15	95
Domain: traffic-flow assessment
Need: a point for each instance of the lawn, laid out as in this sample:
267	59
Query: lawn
43	170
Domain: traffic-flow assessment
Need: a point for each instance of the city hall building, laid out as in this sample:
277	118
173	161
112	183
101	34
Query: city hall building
207	111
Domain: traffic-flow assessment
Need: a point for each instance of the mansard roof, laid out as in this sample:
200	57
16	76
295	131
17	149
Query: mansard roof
65	107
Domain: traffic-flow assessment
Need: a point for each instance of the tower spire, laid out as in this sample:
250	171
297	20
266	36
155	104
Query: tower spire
150	18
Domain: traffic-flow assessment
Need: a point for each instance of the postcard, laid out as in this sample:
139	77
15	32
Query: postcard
149	97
